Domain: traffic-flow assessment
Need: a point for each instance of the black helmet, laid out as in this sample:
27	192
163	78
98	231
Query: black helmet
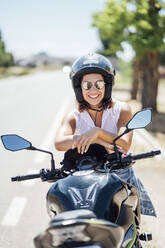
92	63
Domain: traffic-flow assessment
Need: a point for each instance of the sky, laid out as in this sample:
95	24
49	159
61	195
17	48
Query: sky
58	27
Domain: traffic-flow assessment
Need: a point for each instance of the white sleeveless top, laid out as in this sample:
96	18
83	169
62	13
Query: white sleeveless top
109	122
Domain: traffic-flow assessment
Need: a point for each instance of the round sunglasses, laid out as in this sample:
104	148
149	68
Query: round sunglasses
86	85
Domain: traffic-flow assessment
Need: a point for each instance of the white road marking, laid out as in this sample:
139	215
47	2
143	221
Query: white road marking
52	131
14	212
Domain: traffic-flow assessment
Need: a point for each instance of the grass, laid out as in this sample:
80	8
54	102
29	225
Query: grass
14	71
22	71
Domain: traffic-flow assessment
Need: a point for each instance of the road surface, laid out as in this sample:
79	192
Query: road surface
32	107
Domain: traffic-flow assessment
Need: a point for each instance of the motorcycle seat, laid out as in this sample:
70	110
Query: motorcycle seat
74	214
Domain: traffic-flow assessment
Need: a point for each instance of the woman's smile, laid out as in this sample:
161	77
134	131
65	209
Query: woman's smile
93	96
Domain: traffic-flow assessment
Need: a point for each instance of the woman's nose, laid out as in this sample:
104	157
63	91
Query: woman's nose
93	88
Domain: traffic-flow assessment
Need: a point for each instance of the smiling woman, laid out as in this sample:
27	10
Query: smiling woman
99	119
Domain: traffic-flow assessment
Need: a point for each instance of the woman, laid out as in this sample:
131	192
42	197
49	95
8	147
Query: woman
99	119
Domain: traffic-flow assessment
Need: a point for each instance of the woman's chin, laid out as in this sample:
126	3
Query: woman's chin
94	102
95	105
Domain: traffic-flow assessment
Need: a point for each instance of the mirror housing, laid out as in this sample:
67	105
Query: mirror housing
13	142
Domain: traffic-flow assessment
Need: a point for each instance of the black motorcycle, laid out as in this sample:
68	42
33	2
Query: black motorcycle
89	205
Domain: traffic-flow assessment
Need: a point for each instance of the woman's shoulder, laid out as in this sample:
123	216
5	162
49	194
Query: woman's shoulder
75	114
120	105
120	110
125	107
69	117
125	112
79	114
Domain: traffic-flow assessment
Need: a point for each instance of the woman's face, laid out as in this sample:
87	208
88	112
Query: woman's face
93	96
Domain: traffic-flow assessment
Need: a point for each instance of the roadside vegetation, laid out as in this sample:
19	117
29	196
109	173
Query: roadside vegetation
6	59
141	26
14	71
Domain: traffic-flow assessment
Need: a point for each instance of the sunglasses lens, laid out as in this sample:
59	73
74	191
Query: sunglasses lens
86	85
99	85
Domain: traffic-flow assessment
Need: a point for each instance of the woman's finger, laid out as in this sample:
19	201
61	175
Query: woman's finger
80	145
83	146
76	139
88	143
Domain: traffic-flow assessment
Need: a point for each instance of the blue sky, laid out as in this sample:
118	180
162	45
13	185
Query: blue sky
58	27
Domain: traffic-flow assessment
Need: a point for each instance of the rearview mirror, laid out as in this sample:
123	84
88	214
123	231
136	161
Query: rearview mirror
140	120
14	142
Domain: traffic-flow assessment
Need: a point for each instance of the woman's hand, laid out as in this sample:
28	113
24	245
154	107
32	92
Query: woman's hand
82	142
108	147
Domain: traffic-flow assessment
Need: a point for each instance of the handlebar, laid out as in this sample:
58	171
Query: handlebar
26	177
146	155
126	161
53	175
45	175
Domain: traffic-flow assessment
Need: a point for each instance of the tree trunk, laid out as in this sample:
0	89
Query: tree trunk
150	78
136	77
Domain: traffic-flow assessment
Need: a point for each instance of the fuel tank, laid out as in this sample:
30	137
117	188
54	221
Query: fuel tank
88	189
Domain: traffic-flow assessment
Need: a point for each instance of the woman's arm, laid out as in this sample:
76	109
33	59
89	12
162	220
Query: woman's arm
64	136
125	141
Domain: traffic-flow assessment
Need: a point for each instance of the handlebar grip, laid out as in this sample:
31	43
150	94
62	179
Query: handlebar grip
26	177
146	155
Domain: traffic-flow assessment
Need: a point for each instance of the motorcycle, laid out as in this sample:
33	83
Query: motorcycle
89	205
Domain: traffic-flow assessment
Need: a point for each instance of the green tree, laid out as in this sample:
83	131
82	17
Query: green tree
6	59
141	23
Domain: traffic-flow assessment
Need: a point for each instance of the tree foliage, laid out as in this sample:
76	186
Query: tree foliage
141	23
6	59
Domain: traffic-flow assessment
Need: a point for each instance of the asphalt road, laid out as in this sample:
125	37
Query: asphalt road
31	107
